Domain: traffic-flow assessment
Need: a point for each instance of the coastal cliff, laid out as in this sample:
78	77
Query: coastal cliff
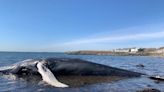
140	52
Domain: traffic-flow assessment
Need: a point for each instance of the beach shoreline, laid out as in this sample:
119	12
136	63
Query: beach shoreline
145	52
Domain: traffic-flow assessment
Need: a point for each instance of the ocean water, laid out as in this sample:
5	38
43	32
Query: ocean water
153	66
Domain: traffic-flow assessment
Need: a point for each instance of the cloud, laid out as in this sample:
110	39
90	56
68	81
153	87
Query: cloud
141	36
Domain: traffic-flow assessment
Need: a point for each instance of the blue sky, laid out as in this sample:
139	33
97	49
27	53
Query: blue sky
64	25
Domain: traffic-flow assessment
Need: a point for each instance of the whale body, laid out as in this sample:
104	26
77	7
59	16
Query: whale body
74	72
67	66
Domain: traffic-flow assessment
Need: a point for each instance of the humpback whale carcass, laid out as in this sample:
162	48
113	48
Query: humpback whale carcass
67	68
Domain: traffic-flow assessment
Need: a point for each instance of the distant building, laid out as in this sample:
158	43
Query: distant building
121	50
134	50
129	50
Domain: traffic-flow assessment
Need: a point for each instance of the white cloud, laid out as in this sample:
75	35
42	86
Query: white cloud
142	36
109	39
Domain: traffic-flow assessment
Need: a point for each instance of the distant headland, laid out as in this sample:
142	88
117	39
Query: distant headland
123	52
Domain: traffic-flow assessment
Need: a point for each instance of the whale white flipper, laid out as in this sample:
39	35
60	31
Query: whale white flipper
48	76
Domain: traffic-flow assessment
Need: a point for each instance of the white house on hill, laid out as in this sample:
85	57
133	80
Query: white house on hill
134	50
130	50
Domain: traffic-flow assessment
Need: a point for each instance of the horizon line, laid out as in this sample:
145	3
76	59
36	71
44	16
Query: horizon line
1	51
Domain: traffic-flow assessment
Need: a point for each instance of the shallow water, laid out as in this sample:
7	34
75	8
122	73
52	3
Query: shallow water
153	66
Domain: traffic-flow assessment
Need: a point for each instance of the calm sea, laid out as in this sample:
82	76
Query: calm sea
153	66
